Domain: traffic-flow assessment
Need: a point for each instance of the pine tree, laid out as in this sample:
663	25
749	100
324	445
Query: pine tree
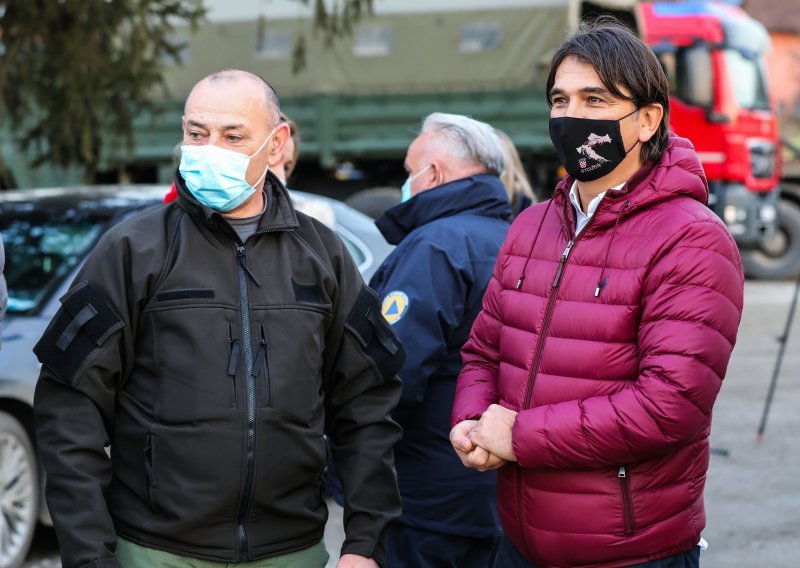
74	73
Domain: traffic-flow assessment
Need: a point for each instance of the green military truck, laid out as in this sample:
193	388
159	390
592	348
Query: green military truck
359	101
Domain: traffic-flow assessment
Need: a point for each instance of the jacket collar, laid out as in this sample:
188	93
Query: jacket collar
279	214
482	195
677	173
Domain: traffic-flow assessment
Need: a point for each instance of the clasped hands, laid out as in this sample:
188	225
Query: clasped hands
485	444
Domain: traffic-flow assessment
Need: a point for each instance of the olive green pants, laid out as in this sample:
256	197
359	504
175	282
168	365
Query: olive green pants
131	555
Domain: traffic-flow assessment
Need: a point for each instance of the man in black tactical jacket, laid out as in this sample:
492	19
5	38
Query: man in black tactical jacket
212	342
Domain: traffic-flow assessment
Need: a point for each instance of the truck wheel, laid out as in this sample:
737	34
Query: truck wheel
779	257
19	492
373	202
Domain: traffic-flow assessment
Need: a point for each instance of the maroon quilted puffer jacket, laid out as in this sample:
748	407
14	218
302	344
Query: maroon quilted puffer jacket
612	346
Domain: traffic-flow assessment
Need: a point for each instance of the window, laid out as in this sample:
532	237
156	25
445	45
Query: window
39	254
747	79
690	75
481	36
274	44
373	41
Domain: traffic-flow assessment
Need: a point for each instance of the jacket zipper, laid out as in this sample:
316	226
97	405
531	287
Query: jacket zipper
626	499
247	343
540	347
537	359
546	322
250	387
233	363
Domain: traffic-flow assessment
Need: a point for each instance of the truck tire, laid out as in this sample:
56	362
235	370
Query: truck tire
373	202
19	492
778	258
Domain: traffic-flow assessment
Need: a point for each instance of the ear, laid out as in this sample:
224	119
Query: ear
276	144
650	118
183	126
435	174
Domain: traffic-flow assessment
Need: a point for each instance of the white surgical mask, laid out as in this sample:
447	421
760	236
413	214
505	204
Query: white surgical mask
216	176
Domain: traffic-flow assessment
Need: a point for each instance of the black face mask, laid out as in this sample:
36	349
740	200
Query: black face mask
588	149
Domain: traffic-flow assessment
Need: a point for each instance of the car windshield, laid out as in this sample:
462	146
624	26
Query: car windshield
40	254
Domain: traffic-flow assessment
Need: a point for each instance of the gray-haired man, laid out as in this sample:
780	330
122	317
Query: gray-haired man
448	229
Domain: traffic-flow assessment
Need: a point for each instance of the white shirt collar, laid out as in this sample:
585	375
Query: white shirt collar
581	217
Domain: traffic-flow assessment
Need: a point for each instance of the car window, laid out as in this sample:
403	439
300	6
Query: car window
39	255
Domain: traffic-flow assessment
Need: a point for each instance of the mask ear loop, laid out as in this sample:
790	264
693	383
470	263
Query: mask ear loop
637	109
262	176
269	136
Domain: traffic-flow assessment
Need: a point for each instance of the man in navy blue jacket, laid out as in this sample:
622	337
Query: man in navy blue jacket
448	228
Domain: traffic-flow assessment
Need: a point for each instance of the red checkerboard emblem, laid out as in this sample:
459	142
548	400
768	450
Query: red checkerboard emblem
582	162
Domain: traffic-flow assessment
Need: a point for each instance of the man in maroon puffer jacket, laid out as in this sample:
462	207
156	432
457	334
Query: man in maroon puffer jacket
606	330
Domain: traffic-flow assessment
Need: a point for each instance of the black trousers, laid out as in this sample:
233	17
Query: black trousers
509	557
408	547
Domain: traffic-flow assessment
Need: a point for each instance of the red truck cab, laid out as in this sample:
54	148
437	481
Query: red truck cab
713	54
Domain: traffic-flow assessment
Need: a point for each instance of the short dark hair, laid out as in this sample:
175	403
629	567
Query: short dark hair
620	59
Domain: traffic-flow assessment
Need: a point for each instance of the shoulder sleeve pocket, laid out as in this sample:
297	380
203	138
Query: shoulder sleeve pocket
375	335
82	325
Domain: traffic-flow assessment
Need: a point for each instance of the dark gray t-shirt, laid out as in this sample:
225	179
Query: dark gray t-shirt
246	226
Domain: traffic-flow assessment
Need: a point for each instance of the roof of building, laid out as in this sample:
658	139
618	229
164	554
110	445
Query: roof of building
776	15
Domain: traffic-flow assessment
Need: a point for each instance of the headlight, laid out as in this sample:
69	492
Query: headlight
762	157
768	214
733	214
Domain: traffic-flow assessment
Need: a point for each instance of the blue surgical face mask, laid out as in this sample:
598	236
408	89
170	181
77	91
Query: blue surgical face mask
216	176
405	191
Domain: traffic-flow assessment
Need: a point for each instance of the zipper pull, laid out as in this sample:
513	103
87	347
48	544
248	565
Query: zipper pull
233	362
622	472
600	286
561	263
243	264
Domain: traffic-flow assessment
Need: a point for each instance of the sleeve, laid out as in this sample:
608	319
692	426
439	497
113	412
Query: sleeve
476	388
433	286
362	357
692	301
85	352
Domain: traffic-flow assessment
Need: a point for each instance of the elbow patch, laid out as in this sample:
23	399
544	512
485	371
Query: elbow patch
81	326
377	339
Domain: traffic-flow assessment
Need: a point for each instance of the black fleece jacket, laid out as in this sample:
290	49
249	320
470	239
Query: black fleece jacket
213	368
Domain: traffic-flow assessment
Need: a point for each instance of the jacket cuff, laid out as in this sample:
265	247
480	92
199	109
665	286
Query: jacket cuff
472	412
528	439
367	550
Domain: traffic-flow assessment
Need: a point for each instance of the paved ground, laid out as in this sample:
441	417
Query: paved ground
753	493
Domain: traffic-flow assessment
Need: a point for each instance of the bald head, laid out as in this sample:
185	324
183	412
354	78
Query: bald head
231	77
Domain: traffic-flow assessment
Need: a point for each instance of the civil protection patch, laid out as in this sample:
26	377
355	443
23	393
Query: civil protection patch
395	306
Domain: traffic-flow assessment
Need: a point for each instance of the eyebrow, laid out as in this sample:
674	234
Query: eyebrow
204	126
586	90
